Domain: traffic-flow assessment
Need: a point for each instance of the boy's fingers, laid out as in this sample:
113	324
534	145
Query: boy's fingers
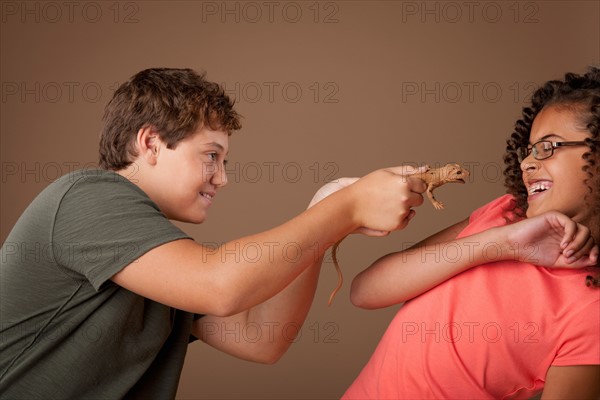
372	232
407	169
417	185
405	219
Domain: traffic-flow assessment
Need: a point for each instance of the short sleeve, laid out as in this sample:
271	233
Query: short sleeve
581	337
490	215
501	204
104	224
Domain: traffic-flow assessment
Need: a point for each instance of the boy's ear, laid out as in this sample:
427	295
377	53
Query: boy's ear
148	144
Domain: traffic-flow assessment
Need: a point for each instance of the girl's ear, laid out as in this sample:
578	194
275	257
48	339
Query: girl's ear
148	144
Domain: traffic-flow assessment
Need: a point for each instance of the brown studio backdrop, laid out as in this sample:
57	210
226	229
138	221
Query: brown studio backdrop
327	89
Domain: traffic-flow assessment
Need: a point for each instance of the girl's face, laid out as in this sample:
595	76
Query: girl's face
557	182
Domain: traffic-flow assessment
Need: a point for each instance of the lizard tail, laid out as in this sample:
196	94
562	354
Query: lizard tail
339	271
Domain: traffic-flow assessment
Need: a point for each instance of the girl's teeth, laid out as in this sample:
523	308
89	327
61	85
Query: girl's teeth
539	187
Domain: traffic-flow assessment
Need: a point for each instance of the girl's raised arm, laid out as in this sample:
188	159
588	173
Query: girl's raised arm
558	241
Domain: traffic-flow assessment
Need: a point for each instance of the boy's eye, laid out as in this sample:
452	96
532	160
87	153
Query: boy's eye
213	156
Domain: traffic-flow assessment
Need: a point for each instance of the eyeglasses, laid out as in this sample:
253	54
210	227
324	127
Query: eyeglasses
544	149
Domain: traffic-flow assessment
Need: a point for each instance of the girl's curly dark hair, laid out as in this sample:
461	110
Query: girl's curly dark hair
579	94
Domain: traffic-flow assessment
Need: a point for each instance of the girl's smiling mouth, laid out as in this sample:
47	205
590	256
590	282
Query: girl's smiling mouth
535	188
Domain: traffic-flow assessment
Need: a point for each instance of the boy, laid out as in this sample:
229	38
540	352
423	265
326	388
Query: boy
101	293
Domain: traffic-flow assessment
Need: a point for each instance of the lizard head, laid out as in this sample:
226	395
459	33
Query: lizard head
455	173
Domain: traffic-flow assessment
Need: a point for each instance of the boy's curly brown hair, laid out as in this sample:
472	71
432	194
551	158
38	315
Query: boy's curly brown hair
579	94
176	102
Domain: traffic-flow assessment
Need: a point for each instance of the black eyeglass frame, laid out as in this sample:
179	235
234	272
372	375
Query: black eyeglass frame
523	152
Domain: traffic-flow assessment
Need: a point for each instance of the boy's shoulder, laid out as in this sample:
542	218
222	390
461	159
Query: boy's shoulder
82	190
90	176
97	182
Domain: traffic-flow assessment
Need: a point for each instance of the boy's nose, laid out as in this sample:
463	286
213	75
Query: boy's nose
219	179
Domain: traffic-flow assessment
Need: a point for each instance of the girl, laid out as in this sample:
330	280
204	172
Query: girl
489	316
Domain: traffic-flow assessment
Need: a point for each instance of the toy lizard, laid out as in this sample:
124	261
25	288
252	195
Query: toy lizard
449	173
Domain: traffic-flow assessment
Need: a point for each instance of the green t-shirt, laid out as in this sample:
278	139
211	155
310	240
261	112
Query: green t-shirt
68	331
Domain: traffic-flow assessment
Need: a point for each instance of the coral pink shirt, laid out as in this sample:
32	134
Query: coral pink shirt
490	332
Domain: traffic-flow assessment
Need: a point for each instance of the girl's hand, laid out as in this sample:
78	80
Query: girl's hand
552	240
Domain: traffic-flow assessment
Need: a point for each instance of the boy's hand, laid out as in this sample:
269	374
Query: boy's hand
552	240
383	198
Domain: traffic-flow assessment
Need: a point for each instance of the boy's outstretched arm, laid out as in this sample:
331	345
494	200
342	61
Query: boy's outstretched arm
264	332
398	277
187	276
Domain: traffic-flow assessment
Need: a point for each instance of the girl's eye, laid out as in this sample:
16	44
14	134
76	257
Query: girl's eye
213	156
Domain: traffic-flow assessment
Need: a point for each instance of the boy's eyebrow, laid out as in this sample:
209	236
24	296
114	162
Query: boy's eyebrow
217	145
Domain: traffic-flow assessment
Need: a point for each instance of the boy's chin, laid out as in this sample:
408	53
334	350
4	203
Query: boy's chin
191	218
197	220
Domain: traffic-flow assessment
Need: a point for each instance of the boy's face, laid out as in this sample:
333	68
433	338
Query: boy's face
557	182
190	175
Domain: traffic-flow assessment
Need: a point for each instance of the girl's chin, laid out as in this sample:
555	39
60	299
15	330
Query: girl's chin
531	212
534	212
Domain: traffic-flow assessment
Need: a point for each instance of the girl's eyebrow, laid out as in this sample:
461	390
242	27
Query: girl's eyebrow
549	136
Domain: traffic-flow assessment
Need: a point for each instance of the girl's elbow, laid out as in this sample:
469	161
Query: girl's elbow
358	297
362	302
368	298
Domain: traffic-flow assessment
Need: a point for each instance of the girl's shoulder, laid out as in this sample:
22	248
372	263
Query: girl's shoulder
497	212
